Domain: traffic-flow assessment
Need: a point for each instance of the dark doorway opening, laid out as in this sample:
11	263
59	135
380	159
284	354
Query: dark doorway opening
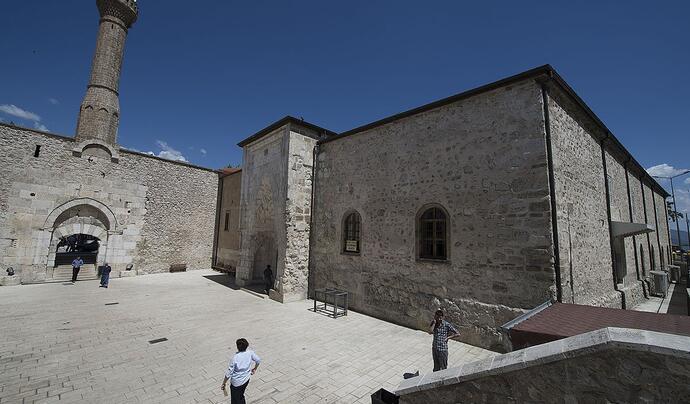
77	245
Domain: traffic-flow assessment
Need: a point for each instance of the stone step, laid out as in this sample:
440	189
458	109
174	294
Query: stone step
64	273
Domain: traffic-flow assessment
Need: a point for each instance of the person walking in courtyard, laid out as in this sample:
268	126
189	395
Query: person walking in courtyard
76	266
268	278
239	371
105	275
443	331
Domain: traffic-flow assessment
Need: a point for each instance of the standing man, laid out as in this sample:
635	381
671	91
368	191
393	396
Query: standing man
268	278
443	331
239	370
76	266
105	275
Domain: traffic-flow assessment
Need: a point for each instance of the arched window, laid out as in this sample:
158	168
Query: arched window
432	233
351	233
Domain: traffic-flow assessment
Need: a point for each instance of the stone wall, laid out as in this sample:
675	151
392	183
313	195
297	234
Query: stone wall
654	260
640	241
585	249
276	209
583	228
228	229
662	229
158	212
632	287
483	159
262	207
611	365
294	279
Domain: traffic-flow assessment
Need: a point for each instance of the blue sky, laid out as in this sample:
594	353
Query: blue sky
200	76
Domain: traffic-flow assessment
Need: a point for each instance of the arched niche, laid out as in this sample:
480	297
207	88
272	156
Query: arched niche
99	148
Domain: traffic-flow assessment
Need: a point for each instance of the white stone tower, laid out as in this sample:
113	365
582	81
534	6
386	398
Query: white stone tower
99	115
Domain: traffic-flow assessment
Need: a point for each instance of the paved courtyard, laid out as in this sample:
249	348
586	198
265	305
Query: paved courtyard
70	343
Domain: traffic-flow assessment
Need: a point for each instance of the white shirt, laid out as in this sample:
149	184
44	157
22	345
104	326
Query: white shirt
240	367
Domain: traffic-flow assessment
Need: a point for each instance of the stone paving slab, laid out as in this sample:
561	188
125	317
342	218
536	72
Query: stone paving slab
65	343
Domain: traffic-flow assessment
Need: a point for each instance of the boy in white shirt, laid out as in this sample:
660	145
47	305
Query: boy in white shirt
239	370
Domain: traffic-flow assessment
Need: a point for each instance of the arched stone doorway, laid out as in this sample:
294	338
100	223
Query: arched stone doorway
266	254
85	219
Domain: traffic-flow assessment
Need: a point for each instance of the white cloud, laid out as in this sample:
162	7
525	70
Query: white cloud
665	170
203	151
40	126
53	101
687	181
168	152
11	109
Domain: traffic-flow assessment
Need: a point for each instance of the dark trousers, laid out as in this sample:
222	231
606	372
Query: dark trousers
75	272
237	393
440	359
267	285
105	277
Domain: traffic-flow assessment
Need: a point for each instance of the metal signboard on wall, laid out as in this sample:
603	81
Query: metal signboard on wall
351	246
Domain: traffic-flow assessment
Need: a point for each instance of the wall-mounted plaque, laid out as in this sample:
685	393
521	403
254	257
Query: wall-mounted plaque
351	246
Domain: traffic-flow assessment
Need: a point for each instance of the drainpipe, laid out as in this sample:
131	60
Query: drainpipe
310	265
552	192
608	216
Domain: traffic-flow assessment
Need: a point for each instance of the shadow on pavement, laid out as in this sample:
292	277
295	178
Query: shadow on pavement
678	303
228	280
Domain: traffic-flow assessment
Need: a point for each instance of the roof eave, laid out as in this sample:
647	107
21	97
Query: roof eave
282	122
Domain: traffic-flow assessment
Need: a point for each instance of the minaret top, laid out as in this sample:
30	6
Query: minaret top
124	10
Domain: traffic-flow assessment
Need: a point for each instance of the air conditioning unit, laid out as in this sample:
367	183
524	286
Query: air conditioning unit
660	283
674	270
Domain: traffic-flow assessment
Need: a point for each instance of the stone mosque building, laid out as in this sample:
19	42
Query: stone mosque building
84	195
486	203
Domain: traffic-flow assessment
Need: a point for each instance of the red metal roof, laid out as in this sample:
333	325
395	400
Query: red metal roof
565	320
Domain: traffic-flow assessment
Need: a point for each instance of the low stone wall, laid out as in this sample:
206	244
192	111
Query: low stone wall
607	365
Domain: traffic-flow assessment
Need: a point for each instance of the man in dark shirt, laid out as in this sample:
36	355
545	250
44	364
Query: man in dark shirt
268	278
76	266
443	331
105	275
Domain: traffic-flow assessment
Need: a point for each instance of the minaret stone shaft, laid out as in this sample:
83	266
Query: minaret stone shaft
99	115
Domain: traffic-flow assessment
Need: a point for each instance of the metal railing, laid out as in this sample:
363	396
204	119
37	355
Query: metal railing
338	300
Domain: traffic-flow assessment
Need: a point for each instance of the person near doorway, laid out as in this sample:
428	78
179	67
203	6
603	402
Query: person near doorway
443	331
268	278
105	275
76	266
239	371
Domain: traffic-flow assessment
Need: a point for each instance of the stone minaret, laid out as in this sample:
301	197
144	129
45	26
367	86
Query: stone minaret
100	111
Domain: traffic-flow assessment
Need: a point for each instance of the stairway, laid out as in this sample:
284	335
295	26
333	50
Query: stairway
63	273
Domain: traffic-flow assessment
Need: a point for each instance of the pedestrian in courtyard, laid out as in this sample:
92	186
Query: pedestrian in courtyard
105	275
239	371
76	266
268	278
443	331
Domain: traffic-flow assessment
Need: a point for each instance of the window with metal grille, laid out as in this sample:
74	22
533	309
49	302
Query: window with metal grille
351	233
432	234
